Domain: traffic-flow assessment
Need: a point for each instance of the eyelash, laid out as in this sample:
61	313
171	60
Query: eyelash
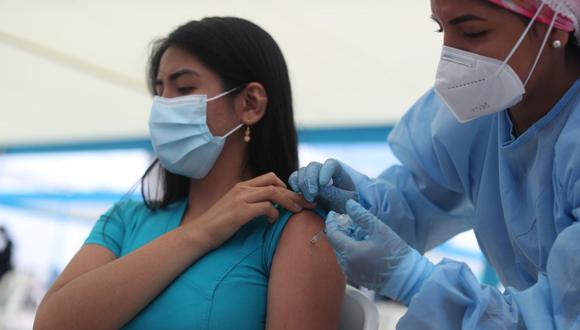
439	27
475	35
185	90
468	35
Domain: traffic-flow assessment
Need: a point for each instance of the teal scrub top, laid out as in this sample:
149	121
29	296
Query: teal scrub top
225	289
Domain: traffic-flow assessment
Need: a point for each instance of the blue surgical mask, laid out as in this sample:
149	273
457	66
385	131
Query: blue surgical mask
180	136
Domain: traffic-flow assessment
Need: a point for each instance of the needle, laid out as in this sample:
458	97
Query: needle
317	237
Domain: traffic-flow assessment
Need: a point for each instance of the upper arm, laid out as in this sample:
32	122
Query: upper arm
102	246
89	257
306	283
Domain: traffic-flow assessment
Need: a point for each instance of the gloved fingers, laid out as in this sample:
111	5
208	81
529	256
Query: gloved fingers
340	177
344	223
362	218
302	185
327	172
339	240
311	178
369	227
360	234
293	181
331	225
335	198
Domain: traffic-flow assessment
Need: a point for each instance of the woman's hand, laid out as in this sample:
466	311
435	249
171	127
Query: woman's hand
246	201
120	287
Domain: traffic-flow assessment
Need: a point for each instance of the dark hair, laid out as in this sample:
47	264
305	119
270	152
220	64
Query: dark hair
239	52
573	45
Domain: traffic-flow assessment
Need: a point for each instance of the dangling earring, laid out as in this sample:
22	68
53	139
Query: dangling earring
557	44
247	137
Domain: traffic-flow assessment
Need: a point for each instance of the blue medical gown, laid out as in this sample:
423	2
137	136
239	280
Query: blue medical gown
520	195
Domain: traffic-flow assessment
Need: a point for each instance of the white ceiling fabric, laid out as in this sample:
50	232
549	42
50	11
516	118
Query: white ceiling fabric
74	71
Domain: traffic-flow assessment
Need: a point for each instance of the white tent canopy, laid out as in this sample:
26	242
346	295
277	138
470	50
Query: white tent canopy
73	70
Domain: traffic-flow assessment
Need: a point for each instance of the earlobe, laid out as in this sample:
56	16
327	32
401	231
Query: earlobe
559	39
253	104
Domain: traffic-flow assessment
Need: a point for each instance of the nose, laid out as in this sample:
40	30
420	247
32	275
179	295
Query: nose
449	40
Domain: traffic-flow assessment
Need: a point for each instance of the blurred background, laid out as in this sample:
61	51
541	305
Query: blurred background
73	131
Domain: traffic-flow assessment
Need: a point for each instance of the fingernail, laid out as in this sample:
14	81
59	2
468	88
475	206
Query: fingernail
297	207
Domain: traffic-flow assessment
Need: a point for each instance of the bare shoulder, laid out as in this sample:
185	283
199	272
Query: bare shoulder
304	223
295	246
306	284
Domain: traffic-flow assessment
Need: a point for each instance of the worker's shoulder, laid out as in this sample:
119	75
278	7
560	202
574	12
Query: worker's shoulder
568	138
567	147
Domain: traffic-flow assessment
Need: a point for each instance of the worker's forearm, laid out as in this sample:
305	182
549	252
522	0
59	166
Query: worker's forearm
109	296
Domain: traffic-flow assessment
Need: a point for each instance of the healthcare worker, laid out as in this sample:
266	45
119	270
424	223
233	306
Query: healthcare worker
494	147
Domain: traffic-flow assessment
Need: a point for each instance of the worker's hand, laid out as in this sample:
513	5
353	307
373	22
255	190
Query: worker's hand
329	182
374	256
244	202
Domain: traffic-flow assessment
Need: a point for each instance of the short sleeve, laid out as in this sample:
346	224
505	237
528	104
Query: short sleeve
109	230
274	232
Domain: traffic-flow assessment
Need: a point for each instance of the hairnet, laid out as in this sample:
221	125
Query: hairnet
570	9
568	12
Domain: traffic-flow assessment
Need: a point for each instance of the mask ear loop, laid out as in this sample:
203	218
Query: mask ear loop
542	47
232	131
223	94
520	39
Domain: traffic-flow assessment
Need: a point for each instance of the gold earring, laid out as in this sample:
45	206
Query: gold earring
247	137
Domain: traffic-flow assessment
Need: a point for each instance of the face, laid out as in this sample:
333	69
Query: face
181	73
483	28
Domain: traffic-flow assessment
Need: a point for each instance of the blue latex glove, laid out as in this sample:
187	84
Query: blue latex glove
329	182
374	256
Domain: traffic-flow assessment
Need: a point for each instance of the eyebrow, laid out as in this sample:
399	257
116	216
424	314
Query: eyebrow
178	74
465	18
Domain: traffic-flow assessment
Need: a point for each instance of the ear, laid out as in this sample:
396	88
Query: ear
251	103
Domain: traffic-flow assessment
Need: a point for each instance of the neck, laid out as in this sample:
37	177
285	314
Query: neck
228	170
538	103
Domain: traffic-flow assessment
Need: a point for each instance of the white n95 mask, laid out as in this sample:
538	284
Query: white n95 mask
180	136
472	85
